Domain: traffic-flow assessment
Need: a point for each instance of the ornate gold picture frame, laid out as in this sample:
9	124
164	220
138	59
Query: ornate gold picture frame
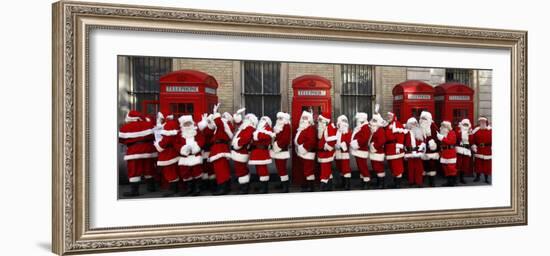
72	23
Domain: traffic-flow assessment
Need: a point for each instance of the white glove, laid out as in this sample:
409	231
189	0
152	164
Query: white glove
216	107
371	147
301	150
241	111
397	150
354	144
185	150
432	144
343	146
195	148
474	148
440	136
422	147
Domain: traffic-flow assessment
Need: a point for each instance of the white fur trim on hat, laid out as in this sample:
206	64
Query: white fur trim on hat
361	116
283	115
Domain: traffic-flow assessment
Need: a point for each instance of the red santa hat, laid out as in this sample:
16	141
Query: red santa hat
284	116
165	115
307	115
185	118
426	115
170	128
325	116
465	121
483	118
411	121
447	124
376	116
133	116
267	120
362	117
252	118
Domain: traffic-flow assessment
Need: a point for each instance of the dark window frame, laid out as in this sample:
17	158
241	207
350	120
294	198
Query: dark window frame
356	75
247	91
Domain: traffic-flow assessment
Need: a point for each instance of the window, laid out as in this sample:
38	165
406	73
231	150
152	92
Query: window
180	109
145	75
262	87
357	90
462	76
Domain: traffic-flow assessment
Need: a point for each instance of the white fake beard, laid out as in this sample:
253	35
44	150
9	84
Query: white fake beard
464	132
321	126
417	132
188	132
426	127
444	131
343	127
303	124
279	124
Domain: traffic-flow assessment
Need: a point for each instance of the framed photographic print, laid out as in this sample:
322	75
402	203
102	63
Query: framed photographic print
178	127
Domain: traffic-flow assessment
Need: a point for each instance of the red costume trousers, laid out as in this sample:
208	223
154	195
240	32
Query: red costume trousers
396	166
241	169
378	167
464	164
362	166
343	167
190	172
141	167
170	173
222	170
326	171
308	167
449	169
483	166
415	169
263	172
281	168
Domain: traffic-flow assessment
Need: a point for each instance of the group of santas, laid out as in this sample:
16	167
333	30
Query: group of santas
199	154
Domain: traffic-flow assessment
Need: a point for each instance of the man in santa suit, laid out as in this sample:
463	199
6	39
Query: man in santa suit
447	138
343	139
482	149
207	127
279	148
376	147
360	146
326	137
259	154
395	136
137	136
305	143
190	164
463	152
431	156
414	149
219	151
239	152
168	153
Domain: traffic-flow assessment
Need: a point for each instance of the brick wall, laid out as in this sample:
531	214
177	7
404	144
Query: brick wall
385	79
484	81
298	69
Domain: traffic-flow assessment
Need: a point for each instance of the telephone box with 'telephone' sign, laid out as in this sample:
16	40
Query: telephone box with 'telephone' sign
412	97
311	93
454	102
188	92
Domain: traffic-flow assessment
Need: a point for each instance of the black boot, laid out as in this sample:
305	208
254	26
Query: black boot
476	179
323	186
222	189
243	188
396	182
151	185
284	186
451	181
347	183
134	190
381	182
189	186
431	181
486	178
308	187
197	187
264	187
462	178
172	190
366	185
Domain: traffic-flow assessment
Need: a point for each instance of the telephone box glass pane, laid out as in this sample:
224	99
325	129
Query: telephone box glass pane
416	112
459	114
316	110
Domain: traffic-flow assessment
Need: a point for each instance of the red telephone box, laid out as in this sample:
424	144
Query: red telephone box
412	97
454	102
188	92
312	93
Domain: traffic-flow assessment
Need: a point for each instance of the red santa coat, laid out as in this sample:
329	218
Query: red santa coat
463	143
261	140
138	137
167	145
448	152
395	136
281	143
240	143
361	135
376	146
482	139
413	146
222	136
305	143
207	135
432	149
343	140
326	145
190	150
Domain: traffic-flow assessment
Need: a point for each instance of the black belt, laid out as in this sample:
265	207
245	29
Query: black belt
220	142
484	144
260	147
411	148
465	146
391	142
